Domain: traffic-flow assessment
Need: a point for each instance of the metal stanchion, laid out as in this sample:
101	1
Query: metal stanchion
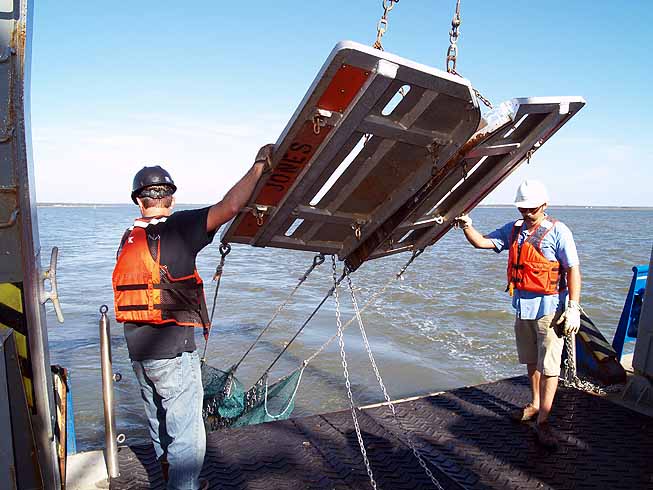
110	440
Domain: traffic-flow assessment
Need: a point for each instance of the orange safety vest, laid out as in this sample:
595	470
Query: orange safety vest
528	268
145	292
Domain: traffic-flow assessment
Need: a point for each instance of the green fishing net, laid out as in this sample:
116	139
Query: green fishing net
227	404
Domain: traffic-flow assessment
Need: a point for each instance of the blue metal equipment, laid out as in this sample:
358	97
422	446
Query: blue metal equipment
629	321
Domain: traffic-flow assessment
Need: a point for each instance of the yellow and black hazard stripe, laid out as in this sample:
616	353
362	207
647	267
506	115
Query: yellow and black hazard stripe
12	315
595	341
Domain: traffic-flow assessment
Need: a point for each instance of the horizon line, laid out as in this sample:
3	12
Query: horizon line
510	205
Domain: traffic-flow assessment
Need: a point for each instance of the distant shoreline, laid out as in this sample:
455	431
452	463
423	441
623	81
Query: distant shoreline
489	206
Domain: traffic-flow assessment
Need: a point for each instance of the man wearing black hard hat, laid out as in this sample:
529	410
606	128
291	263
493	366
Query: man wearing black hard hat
159	296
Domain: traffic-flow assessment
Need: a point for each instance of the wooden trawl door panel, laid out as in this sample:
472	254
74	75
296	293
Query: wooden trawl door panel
512	131
356	150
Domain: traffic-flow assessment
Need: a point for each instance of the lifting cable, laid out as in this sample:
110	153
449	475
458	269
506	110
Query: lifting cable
302	366
225	248
373	298
317	260
310	317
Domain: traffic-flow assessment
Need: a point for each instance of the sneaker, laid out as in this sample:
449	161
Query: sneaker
545	435
204	484
529	412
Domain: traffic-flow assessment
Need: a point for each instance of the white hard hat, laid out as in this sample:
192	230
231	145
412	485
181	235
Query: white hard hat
531	194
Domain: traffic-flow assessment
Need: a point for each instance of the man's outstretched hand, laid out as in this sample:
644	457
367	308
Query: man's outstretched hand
463	221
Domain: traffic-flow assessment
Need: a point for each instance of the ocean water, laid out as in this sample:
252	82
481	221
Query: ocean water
447	324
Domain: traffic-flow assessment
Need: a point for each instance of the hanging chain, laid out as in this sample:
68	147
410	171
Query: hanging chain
391	406
454	33
225	248
480	97
382	25
570	377
478	94
341	342
452	52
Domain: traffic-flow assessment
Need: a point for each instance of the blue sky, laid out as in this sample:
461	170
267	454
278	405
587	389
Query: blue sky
199	86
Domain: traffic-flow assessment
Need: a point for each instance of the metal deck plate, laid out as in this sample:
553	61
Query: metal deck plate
465	435
328	191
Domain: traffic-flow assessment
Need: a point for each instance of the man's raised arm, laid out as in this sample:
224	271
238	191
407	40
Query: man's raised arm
239	194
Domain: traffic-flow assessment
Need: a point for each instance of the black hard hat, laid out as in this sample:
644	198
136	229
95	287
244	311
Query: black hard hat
148	176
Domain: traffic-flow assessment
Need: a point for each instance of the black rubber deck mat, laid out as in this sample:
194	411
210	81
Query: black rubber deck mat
465	436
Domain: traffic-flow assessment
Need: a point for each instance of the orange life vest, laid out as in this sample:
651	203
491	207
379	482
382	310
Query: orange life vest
528	268
145	292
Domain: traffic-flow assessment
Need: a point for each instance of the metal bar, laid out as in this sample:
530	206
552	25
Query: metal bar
491	150
110	443
310	246
384	128
326	216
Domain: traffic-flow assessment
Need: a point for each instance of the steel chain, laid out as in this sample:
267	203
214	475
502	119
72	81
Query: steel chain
480	97
454	33
478	94
570	378
391	406
341	342
382	25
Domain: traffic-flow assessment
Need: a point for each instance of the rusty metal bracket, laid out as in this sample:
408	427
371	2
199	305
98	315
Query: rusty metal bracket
11	221
259	213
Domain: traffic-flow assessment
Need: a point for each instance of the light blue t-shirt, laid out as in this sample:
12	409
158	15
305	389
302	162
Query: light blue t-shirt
558	245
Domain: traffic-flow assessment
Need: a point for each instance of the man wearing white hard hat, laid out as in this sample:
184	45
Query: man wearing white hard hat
544	282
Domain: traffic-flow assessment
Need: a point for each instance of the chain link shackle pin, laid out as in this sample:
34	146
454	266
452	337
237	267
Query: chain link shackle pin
382	24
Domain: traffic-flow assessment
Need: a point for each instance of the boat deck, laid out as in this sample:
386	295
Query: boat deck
465	436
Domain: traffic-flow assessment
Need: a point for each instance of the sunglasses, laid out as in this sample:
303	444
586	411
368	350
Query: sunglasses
528	210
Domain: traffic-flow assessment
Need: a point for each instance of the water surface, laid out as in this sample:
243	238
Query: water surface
448	324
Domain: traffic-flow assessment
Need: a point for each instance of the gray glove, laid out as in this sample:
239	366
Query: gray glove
264	156
571	318
463	221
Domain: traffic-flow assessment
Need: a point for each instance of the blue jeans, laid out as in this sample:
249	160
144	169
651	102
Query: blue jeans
172	392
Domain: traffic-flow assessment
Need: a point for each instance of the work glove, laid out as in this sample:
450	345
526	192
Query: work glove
570	318
463	221
264	156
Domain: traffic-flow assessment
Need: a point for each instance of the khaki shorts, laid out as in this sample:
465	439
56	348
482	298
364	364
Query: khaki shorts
538	343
